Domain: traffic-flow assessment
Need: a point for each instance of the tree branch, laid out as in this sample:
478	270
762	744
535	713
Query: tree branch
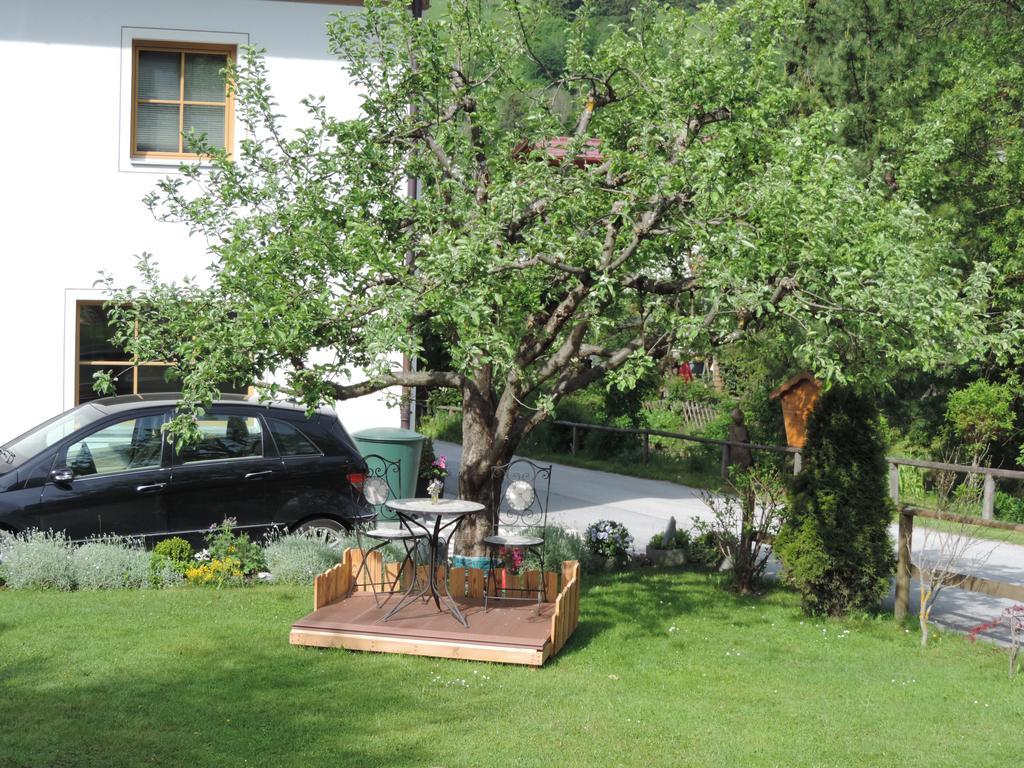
399	379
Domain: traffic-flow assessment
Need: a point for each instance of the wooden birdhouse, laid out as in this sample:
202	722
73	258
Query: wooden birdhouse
798	396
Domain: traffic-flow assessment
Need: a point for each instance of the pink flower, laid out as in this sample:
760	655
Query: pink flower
441	462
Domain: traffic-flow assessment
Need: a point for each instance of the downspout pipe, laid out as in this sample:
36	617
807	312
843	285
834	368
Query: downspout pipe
408	412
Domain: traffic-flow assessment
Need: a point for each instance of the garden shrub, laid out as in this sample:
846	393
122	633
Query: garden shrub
38	560
217	572
111	564
177	551
1009	508
298	557
703	550
681	540
164	572
223	544
559	545
609	539
835	544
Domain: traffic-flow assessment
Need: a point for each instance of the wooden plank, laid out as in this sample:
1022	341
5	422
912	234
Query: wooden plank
436	648
531	581
475	583
357	562
982	585
494	582
374	570
903	549
457	582
556	625
965	519
550	586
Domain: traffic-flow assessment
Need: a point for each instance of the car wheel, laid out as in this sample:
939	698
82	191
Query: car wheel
330	532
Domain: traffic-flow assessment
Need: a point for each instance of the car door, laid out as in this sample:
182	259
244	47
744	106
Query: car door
109	480
228	473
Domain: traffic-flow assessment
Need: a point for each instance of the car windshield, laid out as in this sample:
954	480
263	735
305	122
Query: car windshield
24	447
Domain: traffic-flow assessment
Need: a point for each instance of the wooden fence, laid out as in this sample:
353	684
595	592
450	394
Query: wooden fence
647	434
340	581
907	570
988	500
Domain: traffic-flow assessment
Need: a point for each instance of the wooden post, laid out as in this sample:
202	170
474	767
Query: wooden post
894	484
647	447
575	440
903	564
798	462
988	503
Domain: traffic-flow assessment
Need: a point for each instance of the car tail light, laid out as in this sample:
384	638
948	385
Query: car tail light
357	478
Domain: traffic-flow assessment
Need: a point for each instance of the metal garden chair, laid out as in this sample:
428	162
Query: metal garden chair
522	521
383	478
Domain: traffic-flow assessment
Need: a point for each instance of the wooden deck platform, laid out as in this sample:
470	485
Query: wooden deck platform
346	616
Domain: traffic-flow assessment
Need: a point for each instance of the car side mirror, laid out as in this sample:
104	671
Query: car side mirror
62	476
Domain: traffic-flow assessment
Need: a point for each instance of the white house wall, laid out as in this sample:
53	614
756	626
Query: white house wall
70	194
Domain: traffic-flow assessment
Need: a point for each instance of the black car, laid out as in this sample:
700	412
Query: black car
104	468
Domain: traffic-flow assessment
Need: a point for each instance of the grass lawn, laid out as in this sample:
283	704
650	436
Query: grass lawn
196	677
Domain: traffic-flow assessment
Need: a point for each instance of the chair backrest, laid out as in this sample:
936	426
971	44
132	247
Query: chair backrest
523	499
383	482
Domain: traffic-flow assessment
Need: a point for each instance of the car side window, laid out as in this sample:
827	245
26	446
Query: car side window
291	441
122	447
225	436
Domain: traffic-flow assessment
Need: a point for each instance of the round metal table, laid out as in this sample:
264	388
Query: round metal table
432	519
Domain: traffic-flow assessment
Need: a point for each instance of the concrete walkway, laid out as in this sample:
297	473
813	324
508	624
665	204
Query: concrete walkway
582	496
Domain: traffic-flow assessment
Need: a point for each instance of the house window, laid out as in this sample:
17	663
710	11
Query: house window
96	352
178	88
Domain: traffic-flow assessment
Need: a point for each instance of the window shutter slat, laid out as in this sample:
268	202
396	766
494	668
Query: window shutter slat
203	81
156	128
159	75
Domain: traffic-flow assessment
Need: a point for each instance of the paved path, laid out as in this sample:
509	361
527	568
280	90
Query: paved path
581	496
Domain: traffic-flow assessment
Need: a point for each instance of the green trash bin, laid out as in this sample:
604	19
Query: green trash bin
401	445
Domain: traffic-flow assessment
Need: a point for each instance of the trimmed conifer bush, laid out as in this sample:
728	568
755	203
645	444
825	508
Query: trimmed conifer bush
835	543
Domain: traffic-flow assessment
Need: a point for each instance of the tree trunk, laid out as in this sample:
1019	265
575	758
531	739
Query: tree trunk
477	479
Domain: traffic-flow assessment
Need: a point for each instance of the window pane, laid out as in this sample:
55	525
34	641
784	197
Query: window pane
123	385
156	128
94	335
208	120
159	75
225	437
203	81
151	379
290	441
127	445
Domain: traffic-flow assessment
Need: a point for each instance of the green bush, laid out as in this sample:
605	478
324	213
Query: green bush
559	545
835	544
177	551
223	543
163	572
111	564
703	551
37	560
1009	508
298	557
443	425
680	541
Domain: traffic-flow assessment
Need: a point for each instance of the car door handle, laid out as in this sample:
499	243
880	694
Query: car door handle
153	487
250	475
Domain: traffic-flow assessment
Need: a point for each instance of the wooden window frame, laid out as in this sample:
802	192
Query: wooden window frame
120	365
169	46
